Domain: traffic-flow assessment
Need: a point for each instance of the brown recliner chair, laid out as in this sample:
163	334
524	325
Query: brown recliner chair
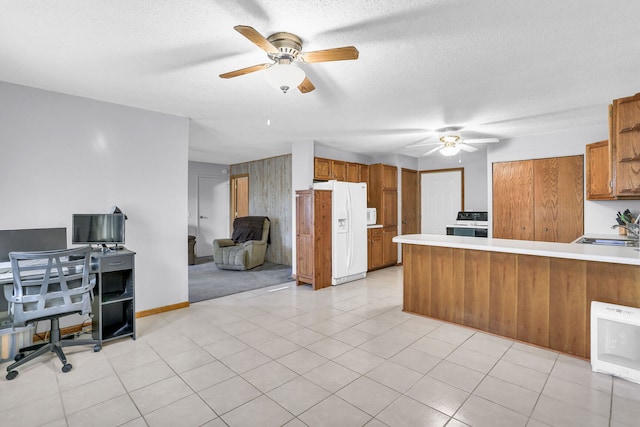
246	248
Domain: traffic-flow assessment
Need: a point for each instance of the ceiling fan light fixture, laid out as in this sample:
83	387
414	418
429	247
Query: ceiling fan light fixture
451	137
284	75
450	149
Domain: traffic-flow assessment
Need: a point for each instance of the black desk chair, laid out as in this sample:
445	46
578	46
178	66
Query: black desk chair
48	285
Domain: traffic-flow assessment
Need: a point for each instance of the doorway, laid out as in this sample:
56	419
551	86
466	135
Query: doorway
239	197
213	213
442	195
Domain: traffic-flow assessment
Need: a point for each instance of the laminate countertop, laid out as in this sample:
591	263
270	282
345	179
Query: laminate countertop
578	251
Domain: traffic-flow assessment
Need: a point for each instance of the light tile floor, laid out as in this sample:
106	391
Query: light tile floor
343	356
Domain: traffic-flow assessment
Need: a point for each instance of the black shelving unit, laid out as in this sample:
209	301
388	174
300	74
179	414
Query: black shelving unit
114	314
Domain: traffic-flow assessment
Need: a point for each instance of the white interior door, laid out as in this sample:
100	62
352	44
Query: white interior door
441	200
213	213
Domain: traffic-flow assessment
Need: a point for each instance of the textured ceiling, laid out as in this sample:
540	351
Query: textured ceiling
498	68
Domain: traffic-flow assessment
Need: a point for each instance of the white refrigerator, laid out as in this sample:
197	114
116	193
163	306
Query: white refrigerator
348	230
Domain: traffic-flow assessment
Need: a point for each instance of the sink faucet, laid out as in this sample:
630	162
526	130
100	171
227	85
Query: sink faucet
632	230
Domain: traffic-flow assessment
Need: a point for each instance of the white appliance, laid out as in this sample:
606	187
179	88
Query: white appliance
348	230
372	216
615	340
470	223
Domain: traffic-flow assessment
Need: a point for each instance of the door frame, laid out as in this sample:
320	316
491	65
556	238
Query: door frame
232	196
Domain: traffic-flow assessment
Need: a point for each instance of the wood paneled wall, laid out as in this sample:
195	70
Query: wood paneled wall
270	194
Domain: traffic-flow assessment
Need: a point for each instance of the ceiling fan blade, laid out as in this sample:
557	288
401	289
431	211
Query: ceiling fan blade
335	54
306	86
422	144
433	150
256	38
467	148
243	71
481	140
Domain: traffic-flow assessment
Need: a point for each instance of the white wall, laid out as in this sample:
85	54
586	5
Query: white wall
598	216
63	154
302	153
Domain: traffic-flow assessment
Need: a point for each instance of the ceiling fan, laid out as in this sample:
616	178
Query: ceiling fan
284	49
451	142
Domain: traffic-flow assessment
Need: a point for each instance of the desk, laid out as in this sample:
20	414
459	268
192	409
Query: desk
113	306
114	314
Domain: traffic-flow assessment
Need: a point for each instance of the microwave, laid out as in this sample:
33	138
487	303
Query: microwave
371	216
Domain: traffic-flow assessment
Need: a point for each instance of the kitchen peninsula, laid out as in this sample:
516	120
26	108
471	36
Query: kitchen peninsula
535	292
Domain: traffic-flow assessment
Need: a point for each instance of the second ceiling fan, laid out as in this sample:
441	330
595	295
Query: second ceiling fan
284	49
451	142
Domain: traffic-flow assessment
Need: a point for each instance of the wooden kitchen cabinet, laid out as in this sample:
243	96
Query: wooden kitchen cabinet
327	169
558	199
322	168
363	173
339	169
540	199
599	174
626	146
383	195
389	247
389	211
353	172
375	250
513	200
313	238
389	177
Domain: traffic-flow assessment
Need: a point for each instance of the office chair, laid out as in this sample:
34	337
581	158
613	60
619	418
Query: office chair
48	285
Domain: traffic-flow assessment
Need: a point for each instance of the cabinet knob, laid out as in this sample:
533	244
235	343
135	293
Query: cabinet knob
546	229
523	228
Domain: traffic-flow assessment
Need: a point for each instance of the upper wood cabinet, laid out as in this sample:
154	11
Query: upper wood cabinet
599	175
327	169
389	177
539	199
353	172
339	170
322	168
626	146
363	173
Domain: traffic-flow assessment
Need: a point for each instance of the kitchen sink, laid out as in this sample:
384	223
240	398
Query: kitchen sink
608	242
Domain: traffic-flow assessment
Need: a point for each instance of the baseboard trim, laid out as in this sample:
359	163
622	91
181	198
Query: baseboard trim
77	328
163	309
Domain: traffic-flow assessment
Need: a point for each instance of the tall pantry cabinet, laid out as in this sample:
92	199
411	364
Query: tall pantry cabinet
383	195
540	199
313	238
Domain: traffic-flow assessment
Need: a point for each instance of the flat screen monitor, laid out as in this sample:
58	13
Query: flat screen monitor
98	228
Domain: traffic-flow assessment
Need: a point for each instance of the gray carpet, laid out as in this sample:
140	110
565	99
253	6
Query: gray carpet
206	281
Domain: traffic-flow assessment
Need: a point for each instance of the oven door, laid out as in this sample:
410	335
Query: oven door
452	230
